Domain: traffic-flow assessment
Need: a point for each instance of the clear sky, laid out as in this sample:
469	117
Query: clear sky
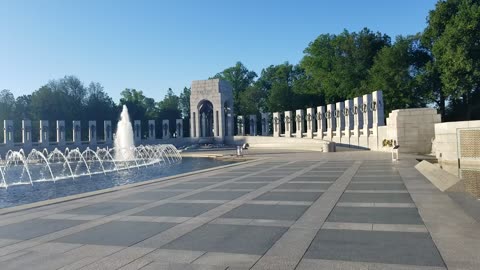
154	45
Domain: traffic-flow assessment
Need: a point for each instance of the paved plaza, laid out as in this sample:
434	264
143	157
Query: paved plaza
297	210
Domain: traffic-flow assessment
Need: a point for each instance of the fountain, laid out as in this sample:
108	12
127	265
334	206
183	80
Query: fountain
123	141
18	168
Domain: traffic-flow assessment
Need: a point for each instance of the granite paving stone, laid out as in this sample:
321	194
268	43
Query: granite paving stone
274	212
289	196
35	227
380	215
243	185
188	185
376	197
354	186
178	210
216	195
103	208
117	233
244	239
372	246
293	185
150	195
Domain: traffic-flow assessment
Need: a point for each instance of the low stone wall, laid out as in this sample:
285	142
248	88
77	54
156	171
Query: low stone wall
445	146
283	143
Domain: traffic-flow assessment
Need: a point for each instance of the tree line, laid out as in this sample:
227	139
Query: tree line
438	67
69	99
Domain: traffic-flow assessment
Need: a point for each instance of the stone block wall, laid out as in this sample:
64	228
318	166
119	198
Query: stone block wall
413	129
445	144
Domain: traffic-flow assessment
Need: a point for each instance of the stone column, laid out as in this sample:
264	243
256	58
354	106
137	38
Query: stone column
44	133
288	124
377	109
151	130
357	115
27	133
340	118
61	133
92	133
329	115
179	128
194	125
253	125
310	119
277	124
137	131
321	121
240	125
107	132
165	129
265	123
367	112
77	133
8	133
348	113
299	118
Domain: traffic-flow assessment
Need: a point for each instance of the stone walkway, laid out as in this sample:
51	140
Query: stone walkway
346	210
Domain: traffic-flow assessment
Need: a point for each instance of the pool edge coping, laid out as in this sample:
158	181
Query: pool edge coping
23	207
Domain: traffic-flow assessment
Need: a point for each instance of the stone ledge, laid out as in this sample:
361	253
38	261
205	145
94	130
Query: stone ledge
439	178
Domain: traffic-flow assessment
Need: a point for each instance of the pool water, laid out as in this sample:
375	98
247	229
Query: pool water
40	191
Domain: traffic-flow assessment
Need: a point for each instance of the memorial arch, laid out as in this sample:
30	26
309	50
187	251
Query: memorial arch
211	109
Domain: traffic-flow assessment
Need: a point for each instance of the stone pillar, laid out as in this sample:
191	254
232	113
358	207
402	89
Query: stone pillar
240	125
340	118
277	124
179	128
321	121
310	119
377	109
8	133
329	114
367	112
348	113
253	125
107	132
299	118
137	131
265	123
165	129
61	133
27	133
92	132
288	124
77	133
44	133
194	125
357	114
151	130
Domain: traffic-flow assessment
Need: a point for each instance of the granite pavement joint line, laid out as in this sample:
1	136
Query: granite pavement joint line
287	252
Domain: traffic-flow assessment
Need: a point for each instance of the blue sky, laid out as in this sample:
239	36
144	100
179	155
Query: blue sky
154	45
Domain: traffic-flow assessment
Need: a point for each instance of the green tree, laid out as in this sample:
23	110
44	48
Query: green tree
7	104
169	109
338	64
453	34
136	102
278	83
22	107
98	105
185	102
395	72
240	79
